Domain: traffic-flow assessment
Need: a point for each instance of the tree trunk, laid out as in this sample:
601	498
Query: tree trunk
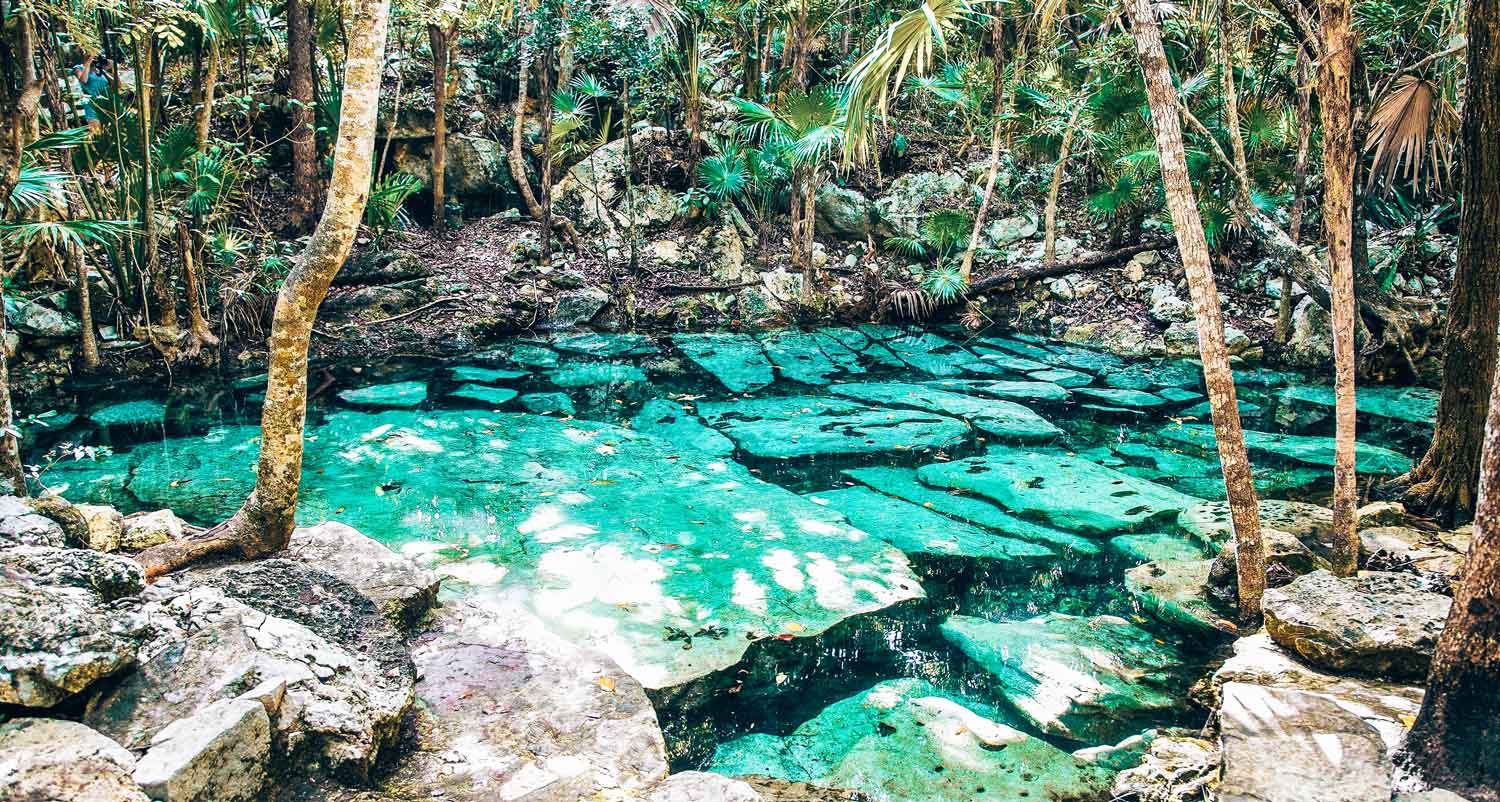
439	38
1192	246
303	134
545	90
1455	741
204	120
264	524
199	334
14	110
12	477
517	152
1299	189
1049	246
1334	99
997	36
1444	483
161	284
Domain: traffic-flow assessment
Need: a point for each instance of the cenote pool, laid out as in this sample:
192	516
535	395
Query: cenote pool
920	564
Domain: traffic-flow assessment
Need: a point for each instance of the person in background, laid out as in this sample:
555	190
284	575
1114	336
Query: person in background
93	76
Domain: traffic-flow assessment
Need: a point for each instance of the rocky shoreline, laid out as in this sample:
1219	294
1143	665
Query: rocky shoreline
341	672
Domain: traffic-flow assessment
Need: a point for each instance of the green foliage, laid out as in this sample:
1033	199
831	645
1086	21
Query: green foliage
385	209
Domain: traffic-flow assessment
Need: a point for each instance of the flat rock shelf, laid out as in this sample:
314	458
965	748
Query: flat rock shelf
919	565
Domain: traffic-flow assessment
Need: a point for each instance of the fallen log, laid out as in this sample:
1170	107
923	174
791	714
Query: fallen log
1093	262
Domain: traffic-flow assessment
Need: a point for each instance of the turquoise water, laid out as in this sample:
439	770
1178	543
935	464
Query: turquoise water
764	529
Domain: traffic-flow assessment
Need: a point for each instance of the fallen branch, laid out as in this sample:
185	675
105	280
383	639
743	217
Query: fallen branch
1094	262
692	289
358	324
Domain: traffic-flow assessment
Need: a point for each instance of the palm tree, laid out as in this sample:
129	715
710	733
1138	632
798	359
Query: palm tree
807	130
264	524
1193	248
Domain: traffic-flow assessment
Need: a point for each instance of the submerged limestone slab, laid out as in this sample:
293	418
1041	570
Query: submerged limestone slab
548	403
793	427
605	346
857	342
484	394
905	740
1130	399
1087	679
1175	592
1062	377
130	413
736	360
1298	448
902	483
1010	390
202	482
1008	361
1026	350
1068	492
1153	546
595	374
396	395
1005	420
917	530
1156	375
669	421
483	375
1210	523
1410	404
936	356
797	356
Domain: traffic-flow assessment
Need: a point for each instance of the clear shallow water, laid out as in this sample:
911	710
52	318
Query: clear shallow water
734	550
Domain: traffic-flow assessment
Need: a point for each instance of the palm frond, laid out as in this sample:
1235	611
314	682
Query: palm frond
39	188
1412	128
63	234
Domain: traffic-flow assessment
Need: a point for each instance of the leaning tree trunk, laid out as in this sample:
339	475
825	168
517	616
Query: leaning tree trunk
1299	189
1239	484
161	284
1455	741
439	38
303	135
199	334
264	524
1049	247
997	36
1335	101
1444	483
203	122
517	139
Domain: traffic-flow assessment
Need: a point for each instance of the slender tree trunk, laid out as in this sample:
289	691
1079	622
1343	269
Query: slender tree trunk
15	109
997	36
264	524
1049	246
390	126
439	38
1299	189
205	117
12	476
809	215
199	332
545	90
161	283
1239	484
1232	105
517	151
1455	741
1334	100
303	135
1444	483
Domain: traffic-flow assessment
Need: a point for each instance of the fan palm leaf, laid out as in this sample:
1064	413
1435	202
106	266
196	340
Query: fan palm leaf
1412	128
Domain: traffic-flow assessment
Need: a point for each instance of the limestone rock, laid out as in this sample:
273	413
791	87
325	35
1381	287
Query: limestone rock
1176	593
577	307
1122	336
51	760
143	530
395	395
1385	706
382	267
843	212
222	632
22	526
702	786
1167	307
918	530
403	592
1285	558
1282	745
105	526
1010	230
39	319
56	641
1182	340
108	576
218	754
909	199
1399	548
1308	523
799	427
1375	623
1311	341
1174	769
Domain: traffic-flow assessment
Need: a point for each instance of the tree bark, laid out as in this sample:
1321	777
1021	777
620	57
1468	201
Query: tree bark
198	334
161	284
203	122
1455	741
12	476
264	524
517	139
1299	189
545	90
1049	246
1444	484
997	45
1336	103
439	39
1239	484
303	136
